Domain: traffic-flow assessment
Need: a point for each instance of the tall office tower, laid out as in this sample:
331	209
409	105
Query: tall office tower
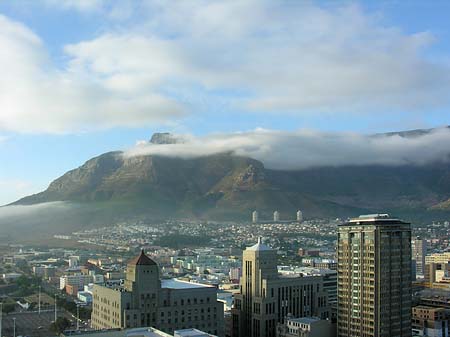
419	251
374	277
276	216
299	216
255	216
265	298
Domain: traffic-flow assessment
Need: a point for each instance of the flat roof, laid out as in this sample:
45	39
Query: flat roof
374	218
191	333
304	320
137	332
178	284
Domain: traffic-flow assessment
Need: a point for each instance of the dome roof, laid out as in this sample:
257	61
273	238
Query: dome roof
142	260
259	246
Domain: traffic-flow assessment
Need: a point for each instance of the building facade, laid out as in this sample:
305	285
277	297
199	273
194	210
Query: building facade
276	216
146	300
255	217
419	251
430	322
374	277
266	299
76	280
306	327
299	216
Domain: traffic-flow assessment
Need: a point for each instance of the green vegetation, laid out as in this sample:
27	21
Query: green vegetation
8	306
27	285
71	306
60	325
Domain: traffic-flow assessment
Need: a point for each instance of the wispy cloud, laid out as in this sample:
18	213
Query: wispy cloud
305	148
278	56
21	210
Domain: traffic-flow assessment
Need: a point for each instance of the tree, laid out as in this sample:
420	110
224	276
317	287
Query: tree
8	307
60	325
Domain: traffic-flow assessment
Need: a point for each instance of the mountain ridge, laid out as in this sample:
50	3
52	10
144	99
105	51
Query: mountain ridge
226	186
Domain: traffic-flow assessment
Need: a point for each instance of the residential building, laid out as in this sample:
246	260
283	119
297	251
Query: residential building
437	258
44	271
374	277
306	327
419	251
77	280
430	322
266	299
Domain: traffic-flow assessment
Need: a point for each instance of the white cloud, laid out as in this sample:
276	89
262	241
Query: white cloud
285	57
7	212
37	97
305	148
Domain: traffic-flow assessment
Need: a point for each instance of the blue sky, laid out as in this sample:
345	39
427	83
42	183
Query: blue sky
84	77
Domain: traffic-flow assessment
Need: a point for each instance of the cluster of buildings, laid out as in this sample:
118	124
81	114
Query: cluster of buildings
374	290
361	278
369	293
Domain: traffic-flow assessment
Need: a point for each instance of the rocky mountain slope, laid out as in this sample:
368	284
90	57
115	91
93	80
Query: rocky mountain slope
225	186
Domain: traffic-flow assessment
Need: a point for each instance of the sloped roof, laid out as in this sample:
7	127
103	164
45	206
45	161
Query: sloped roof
142	260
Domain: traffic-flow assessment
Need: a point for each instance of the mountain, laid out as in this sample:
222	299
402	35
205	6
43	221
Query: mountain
113	187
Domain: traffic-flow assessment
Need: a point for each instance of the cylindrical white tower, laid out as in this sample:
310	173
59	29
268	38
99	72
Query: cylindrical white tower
276	216
255	216
299	216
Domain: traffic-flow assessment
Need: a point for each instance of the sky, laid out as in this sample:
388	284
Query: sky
84	77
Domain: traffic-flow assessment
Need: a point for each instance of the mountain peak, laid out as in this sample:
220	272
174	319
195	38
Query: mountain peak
164	138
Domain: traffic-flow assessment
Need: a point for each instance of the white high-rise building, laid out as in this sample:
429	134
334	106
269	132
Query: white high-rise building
276	216
255	216
419	251
265	298
73	261
299	216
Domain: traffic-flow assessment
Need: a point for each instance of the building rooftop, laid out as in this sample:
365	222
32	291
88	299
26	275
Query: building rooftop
370	218
178	284
190	333
138	332
259	246
142	260
304	320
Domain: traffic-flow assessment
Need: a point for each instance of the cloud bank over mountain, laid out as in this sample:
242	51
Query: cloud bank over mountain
19	211
305	148
259	56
